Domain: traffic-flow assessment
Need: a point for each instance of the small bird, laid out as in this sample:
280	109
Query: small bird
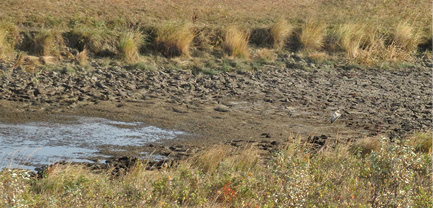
335	116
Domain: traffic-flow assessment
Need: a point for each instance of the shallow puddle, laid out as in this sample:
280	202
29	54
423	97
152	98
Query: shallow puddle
33	144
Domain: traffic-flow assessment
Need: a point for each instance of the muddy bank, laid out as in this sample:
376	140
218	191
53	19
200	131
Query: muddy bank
271	104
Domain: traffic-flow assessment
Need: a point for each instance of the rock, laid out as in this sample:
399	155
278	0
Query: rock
223	109
266	135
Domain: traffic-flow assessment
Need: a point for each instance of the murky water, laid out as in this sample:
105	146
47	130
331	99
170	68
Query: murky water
33	144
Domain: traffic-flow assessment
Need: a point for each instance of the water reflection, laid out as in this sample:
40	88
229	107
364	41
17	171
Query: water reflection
71	139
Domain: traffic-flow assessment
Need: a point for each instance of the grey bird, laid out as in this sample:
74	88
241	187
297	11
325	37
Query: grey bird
335	116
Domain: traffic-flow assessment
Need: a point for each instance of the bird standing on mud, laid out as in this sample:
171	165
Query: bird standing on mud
335	116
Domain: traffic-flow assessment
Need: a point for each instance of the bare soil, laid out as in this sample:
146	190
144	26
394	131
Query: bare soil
265	107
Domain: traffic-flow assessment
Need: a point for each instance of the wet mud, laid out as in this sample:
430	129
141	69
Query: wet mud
270	105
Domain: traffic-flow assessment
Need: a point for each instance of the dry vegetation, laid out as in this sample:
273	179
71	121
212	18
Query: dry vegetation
280	32
129	46
368	32
174	40
235	42
373	172
312	36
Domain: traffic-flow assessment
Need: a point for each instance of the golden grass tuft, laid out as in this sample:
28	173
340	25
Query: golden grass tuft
129	46
5	47
49	43
82	57
244	160
422	141
235	42
351	37
9	36
366	145
280	31
61	178
406	37
312	36
209	160
375	49
174	39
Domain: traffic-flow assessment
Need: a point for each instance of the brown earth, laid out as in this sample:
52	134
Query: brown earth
265	107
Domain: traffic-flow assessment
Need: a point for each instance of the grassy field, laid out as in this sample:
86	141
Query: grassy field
365	32
373	172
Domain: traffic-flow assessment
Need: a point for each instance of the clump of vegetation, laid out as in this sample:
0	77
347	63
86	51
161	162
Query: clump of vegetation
406	37
351	38
82	57
97	40
422	141
377	173
49	43
375	49
174	39
366	145
312	36
367	36
235	42
129	46
9	36
280	31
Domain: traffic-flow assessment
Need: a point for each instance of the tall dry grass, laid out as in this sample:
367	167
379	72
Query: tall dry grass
377	173
351	38
313	35
9	36
99	26
175	39
235	42
209	160
406	37
280	32
6	47
129	46
49	43
422	141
